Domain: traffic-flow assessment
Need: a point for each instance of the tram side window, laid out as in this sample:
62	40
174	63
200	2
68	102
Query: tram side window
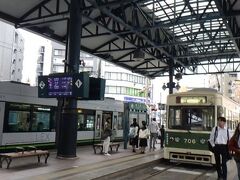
41	121
27	118
174	118
18	121
90	122
85	122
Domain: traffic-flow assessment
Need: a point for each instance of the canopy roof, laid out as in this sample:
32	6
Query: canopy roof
198	36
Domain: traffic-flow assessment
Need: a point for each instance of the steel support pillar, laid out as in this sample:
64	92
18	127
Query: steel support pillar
171	74
67	135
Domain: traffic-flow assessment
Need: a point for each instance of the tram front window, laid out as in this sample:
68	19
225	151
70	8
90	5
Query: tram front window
191	118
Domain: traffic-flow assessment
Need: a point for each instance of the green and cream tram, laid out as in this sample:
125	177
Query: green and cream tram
190	118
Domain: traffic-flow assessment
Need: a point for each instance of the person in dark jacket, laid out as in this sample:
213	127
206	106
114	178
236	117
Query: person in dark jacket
162	131
143	136
106	137
234	146
134	139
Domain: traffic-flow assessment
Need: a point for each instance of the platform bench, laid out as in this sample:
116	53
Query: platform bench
21	153
100	146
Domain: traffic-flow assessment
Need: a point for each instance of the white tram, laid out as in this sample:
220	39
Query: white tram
27	119
190	118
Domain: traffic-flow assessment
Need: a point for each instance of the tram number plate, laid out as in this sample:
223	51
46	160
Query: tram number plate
189	141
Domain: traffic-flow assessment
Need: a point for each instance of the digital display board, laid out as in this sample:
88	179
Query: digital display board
191	99
60	86
64	85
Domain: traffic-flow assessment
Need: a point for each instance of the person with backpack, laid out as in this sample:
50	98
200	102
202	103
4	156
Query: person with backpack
133	134
234	146
219	138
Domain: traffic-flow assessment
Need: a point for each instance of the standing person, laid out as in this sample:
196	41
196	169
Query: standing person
219	140
143	136
162	131
106	137
153	128
234	145
133	132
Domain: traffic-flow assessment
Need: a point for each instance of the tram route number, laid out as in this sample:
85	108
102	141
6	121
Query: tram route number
189	141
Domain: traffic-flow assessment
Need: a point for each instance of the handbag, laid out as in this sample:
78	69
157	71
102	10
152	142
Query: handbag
210	147
228	156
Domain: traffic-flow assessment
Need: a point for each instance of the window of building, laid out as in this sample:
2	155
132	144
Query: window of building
106	89
119	76
114	75
42	49
107	75
112	90
58	68
118	90
124	76
232	75
123	90
135	79
130	77
16	37
59	52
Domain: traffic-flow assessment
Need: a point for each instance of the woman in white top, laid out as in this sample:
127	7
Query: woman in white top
143	136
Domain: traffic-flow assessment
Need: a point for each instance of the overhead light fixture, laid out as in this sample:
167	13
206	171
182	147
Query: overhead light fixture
178	76
138	55
171	85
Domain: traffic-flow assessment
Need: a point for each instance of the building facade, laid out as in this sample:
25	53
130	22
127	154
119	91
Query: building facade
227	84
11	53
121	84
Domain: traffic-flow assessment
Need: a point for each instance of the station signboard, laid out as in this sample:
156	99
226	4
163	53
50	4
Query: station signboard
64	85
97	88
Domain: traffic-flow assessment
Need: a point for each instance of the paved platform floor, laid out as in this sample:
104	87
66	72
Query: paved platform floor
87	165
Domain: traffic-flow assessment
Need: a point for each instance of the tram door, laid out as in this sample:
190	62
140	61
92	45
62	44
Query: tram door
98	124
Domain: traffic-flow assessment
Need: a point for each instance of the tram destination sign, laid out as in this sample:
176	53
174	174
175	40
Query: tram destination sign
191	99
64	85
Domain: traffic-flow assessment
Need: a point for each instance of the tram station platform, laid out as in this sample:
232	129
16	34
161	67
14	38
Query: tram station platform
88	165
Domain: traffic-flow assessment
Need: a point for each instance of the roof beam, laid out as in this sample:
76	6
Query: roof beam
224	7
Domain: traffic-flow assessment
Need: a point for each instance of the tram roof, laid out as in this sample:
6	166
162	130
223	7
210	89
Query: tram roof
198	36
